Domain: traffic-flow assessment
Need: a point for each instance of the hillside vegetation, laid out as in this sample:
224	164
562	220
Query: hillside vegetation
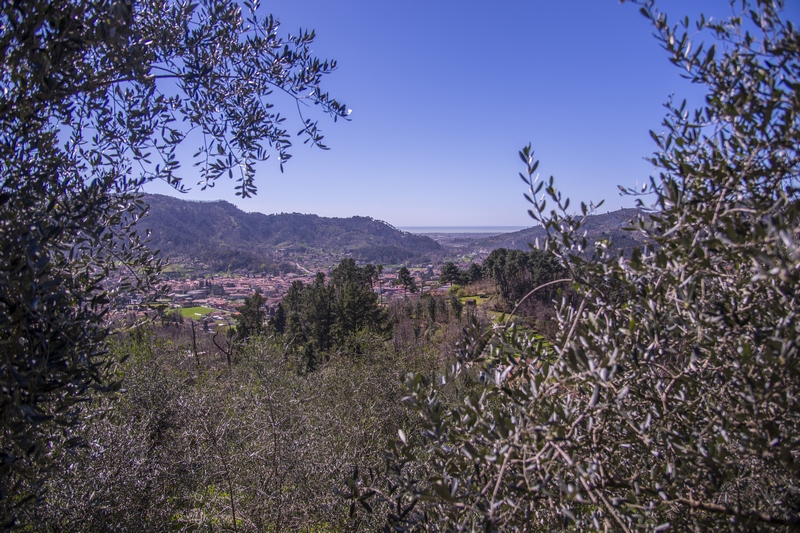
614	226
220	233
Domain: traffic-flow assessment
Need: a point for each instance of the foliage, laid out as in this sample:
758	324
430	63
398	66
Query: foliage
457	306
220	234
174	316
669	399
96	97
405	280
517	273
320	317
451	273
197	445
473	274
251	316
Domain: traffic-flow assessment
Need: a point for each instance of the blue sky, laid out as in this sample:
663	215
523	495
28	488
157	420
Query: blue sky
445	93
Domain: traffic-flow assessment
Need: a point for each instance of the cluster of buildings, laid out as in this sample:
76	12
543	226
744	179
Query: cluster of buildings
227	292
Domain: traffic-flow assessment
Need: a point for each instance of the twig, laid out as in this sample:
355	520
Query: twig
531	292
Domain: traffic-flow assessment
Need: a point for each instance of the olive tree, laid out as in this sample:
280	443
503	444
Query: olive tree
669	399
96	98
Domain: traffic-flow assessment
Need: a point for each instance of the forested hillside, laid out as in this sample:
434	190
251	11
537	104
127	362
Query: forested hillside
220	232
610	226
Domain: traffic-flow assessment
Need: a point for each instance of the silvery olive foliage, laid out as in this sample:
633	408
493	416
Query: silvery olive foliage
669	399
95	99
196	444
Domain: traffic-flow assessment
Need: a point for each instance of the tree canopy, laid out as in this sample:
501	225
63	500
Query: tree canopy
251	316
451	273
96	97
321	316
405	280
516	273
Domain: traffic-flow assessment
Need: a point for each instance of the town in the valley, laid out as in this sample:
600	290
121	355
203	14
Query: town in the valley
213	298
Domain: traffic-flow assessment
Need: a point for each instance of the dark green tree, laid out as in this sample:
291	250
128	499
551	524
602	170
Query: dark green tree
319	308
516	273
173	316
293	305
324	315
474	273
373	273
96	97
251	316
451	273
430	307
456	306
494	268
405	280
355	302
278	320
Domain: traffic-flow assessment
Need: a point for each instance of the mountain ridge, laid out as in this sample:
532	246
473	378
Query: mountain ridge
217	231
608	225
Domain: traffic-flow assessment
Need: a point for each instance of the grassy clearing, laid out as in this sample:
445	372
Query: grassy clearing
195	312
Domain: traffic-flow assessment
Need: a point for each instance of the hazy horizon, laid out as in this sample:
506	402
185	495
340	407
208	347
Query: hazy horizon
422	230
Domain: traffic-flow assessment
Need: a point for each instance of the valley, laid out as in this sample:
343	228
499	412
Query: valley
219	255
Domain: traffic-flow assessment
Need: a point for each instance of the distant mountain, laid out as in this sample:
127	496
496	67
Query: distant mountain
222	234
605	226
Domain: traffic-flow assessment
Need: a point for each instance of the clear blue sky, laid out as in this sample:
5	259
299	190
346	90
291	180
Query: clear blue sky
444	93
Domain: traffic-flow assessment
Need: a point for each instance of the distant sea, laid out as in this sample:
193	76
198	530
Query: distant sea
496	230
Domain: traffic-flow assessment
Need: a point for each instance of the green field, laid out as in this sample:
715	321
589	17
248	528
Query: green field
195	312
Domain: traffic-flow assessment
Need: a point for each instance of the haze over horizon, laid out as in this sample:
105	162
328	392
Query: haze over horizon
444	95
